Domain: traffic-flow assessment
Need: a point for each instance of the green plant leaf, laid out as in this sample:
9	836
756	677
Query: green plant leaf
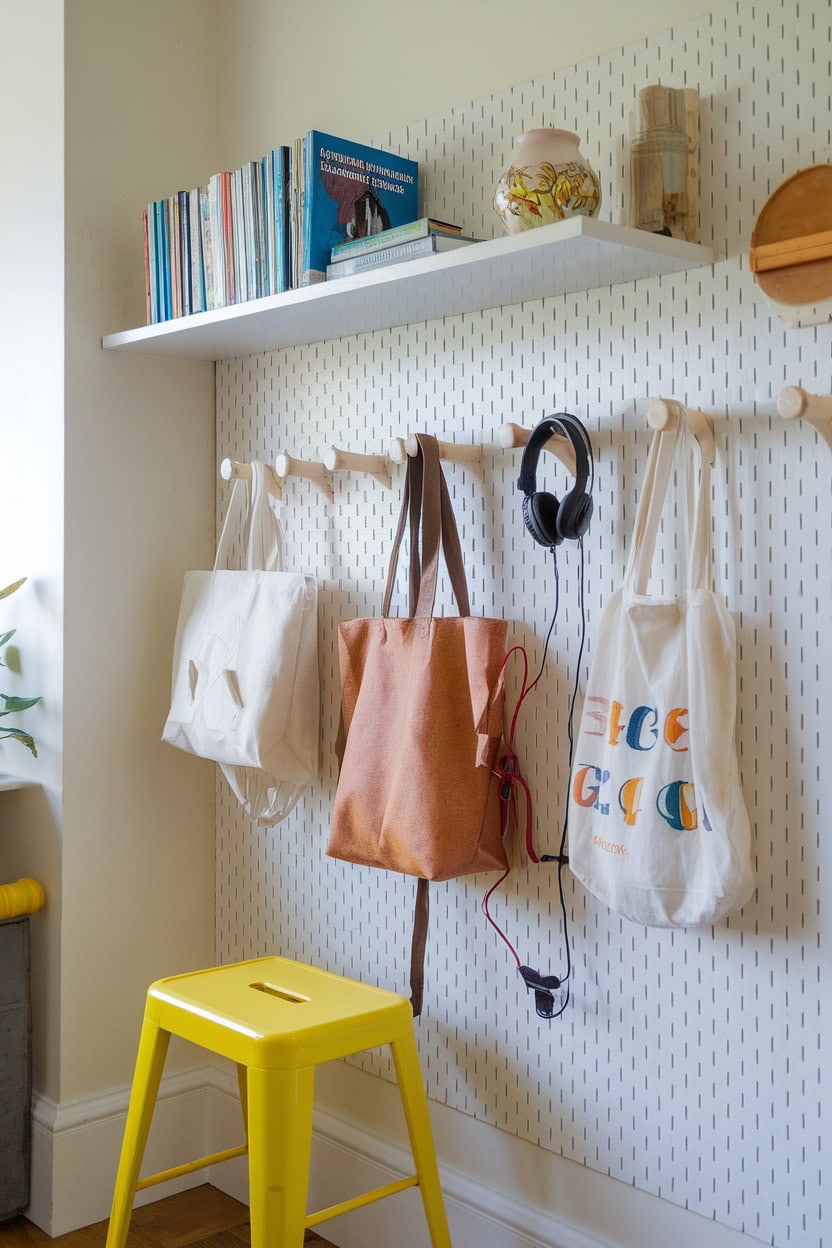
23	737
17	704
12	658
4	593
7	636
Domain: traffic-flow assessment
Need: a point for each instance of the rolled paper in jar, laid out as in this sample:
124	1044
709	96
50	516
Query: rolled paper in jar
25	896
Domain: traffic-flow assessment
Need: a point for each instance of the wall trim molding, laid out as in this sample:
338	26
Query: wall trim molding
480	1214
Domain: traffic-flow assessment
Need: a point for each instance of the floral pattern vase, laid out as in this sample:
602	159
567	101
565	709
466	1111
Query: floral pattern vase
548	180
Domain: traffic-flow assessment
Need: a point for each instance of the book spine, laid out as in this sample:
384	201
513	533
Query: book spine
197	273
207	243
413	250
387	238
267	183
306	210
282	236
185	252
228	237
149	263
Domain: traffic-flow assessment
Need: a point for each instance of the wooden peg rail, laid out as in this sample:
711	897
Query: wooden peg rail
451	452
816	408
510	435
664	414
231	470
287	466
377	466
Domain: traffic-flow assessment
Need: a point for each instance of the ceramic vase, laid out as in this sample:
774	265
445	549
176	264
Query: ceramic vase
548	180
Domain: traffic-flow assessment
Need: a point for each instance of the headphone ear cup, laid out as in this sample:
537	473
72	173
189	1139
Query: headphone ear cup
543	519
574	516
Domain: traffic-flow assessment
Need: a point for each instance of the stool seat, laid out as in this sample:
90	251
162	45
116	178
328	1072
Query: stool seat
277	1014
277	1019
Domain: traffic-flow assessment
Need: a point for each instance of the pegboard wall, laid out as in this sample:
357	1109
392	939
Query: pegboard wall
689	1062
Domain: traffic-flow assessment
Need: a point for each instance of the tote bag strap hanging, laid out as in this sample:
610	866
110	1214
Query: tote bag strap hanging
697	492
426	508
427	503
251	519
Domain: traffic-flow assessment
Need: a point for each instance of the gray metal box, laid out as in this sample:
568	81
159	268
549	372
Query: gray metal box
15	1066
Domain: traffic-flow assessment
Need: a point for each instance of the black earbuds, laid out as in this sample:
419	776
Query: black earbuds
550	520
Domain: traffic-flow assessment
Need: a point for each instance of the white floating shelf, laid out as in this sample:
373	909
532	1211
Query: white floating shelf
15	782
577	254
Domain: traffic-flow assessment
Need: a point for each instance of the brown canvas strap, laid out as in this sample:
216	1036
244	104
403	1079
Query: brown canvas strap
426	506
428	514
418	946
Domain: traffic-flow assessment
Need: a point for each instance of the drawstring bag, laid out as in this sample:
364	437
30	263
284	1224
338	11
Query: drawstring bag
245	689
658	829
422	718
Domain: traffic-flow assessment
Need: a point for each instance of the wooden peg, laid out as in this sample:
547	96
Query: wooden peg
816	408
510	436
376	466
451	452
286	466
230	470
664	414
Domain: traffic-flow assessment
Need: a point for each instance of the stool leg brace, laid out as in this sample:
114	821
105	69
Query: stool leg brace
277	1112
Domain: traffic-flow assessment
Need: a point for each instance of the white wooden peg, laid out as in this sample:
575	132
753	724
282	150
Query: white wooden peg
510	436
287	466
376	466
451	452
231	470
794	402
663	415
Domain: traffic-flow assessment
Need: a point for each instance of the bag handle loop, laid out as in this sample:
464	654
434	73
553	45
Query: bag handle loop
426	499
253	519
663	450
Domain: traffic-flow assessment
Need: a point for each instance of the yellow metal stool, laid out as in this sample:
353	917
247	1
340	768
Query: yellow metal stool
277	1019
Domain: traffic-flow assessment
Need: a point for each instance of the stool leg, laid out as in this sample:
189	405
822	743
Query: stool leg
150	1062
279	1149
415	1104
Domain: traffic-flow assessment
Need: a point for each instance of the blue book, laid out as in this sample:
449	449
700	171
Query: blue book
350	191
281	229
167	294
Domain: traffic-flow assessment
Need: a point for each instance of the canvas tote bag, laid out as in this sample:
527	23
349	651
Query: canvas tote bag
658	829
422	709
245	689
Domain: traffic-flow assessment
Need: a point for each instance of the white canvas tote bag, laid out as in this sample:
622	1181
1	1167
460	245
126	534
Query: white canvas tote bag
245	688
658	829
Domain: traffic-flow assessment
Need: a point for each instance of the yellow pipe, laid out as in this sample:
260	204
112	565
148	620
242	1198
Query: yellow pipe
346	1206
190	1166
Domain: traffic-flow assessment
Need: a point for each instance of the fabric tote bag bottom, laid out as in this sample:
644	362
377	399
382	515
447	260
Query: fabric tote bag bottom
658	828
416	793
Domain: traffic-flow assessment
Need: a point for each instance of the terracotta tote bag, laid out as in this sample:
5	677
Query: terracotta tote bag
422	708
658	829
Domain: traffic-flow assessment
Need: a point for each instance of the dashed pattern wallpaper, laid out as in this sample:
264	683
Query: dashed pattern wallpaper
688	1063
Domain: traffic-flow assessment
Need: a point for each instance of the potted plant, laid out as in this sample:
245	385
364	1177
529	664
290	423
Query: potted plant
12	705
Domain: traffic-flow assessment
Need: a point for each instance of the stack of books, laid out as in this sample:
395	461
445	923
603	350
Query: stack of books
272	224
424	237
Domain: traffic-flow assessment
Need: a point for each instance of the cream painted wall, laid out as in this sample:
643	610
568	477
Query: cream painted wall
31	436
289	67
138	816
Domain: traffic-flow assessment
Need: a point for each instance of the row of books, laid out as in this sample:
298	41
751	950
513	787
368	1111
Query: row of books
272	224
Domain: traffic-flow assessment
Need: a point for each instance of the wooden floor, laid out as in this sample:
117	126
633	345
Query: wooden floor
200	1218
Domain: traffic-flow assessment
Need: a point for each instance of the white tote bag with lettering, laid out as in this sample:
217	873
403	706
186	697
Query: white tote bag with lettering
245	688
658	829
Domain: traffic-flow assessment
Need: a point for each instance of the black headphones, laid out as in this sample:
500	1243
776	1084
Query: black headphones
549	520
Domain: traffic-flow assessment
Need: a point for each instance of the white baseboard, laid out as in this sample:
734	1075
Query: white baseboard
75	1149
500	1191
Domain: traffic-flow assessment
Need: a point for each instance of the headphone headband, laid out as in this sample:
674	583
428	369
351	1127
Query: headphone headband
548	520
575	433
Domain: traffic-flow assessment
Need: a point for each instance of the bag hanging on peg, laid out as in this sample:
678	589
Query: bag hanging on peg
245	689
658	828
